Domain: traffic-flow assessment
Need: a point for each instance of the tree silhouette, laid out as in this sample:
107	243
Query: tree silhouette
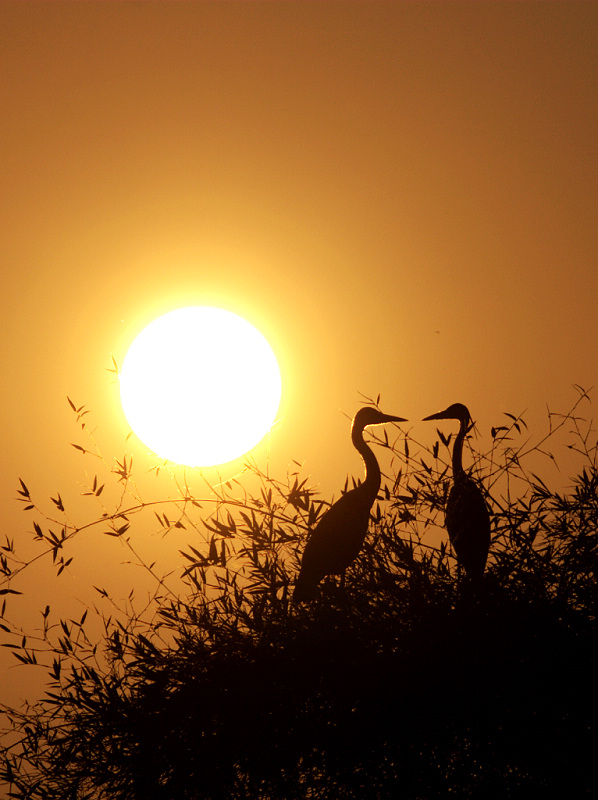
397	684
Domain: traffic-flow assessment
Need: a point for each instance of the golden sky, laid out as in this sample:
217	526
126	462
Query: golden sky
402	196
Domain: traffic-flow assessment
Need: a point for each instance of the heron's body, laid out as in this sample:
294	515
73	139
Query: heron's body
467	519
339	535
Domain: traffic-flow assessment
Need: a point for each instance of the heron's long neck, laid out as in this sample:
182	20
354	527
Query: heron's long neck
372	470
458	451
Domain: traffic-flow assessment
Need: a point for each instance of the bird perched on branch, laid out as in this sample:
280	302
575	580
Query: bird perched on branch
339	534
467	519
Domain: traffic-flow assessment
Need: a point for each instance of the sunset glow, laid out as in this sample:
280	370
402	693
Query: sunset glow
402	198
200	386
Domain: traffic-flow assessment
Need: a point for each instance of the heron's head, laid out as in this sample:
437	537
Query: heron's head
368	415
456	411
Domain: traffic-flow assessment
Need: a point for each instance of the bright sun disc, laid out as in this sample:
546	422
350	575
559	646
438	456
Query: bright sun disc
200	386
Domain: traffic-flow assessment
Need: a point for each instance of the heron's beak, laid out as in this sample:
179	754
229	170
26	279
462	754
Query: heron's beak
438	415
389	418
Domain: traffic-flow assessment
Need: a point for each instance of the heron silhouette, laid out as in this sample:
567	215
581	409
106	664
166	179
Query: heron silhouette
467	519
337	538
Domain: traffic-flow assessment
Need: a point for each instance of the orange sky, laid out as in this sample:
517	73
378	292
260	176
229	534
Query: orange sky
401	196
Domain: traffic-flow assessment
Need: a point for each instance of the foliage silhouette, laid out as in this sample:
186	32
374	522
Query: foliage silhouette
397	684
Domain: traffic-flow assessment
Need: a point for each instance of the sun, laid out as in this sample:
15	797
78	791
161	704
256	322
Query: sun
200	386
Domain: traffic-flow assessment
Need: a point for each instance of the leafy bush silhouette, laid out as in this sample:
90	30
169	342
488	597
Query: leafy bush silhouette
398	683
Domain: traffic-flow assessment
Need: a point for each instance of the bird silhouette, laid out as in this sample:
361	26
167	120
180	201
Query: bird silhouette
337	538
467	519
